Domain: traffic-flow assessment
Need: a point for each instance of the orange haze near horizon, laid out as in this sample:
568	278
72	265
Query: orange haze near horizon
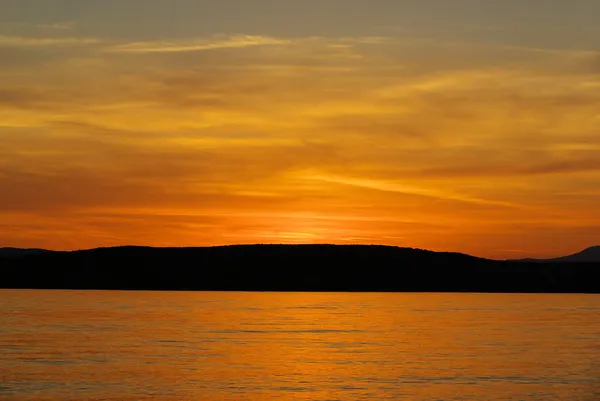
381	135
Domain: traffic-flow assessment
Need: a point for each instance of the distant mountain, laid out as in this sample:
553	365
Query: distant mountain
291	268
589	255
11	253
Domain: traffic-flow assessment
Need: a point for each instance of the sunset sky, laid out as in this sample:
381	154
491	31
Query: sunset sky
463	125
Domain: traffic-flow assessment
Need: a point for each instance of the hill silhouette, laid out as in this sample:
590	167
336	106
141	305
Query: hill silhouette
589	255
291	268
6	253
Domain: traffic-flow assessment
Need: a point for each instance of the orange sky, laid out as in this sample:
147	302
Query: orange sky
468	143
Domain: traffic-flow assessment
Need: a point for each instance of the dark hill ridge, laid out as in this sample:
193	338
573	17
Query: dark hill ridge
589	255
6	253
291	268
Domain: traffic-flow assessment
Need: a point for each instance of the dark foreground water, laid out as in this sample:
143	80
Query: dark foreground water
101	345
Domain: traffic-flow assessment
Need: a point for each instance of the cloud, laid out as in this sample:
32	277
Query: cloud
519	168
62	26
239	41
263	136
74	166
409	189
24	41
14	26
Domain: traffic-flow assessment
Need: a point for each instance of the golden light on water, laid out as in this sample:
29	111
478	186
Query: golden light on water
136	345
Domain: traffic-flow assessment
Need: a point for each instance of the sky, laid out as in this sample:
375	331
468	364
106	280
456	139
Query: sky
464	125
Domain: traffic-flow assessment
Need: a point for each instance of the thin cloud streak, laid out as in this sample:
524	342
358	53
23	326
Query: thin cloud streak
24	41
239	41
409	190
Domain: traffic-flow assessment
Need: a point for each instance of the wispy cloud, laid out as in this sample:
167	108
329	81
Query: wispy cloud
237	41
55	25
408	189
25	41
375	129
61	26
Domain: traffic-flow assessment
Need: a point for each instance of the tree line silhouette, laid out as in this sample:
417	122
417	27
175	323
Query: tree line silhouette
291	268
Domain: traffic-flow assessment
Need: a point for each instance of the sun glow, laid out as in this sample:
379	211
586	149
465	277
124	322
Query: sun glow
110	134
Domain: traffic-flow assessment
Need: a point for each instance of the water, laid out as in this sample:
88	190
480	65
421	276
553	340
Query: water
103	345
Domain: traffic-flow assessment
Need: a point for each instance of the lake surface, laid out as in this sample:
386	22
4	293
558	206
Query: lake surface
117	345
